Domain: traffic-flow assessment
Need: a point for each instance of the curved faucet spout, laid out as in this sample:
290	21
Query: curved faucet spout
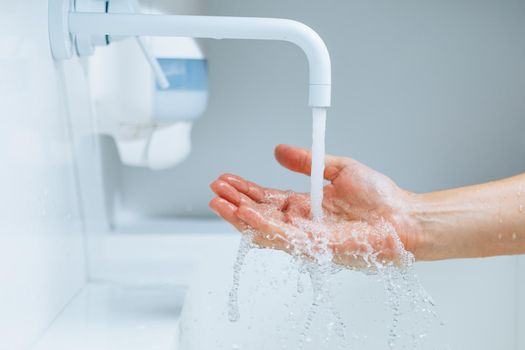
213	27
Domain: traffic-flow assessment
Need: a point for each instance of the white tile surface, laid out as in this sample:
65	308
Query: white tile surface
114	317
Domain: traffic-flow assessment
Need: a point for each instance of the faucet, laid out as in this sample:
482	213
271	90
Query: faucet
70	25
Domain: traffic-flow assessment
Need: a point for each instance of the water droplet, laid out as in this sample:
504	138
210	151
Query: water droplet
308	339
300	284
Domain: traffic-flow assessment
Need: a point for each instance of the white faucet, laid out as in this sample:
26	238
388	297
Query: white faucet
67	25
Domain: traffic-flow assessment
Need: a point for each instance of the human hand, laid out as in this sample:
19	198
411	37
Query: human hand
366	219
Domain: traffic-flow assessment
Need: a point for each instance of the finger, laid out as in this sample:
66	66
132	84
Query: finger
227	211
300	160
256	192
250	189
267	232
230	193
258	221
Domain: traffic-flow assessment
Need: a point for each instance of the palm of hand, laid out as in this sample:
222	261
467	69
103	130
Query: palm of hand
363	221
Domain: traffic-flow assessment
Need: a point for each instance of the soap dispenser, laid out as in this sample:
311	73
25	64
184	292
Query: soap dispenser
150	122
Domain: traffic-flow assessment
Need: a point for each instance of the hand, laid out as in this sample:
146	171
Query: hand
366	215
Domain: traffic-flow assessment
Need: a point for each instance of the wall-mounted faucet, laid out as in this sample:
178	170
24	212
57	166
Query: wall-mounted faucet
70	26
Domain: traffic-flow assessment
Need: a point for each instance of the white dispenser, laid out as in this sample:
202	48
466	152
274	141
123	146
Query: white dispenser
151	124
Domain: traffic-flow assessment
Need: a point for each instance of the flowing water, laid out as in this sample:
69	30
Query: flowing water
233	303
318	155
308	241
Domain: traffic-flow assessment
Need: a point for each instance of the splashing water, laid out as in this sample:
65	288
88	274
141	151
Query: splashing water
233	301
309	241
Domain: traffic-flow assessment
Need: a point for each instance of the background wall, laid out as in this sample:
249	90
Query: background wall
431	93
42	260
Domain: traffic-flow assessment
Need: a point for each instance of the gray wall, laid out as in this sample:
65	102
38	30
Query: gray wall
430	92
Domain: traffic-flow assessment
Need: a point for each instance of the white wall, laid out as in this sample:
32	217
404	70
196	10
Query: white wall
180	7
43	105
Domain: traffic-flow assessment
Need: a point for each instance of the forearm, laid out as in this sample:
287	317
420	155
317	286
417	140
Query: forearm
475	221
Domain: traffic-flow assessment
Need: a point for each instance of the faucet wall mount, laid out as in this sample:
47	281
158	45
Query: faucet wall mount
68	25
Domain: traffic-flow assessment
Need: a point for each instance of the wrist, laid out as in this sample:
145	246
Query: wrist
407	220
436	224
421	227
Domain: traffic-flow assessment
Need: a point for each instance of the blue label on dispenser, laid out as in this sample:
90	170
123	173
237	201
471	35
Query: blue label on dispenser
185	74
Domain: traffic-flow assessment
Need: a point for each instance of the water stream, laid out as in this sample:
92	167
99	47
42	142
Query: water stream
318	155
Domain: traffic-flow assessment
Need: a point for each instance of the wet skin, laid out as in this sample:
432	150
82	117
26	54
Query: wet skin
366	212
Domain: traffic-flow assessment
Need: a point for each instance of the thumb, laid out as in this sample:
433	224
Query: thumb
300	160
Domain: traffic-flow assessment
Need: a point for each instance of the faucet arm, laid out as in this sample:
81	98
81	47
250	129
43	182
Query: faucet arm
213	27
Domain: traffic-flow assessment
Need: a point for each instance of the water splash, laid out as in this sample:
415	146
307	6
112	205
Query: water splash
233	301
311	241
